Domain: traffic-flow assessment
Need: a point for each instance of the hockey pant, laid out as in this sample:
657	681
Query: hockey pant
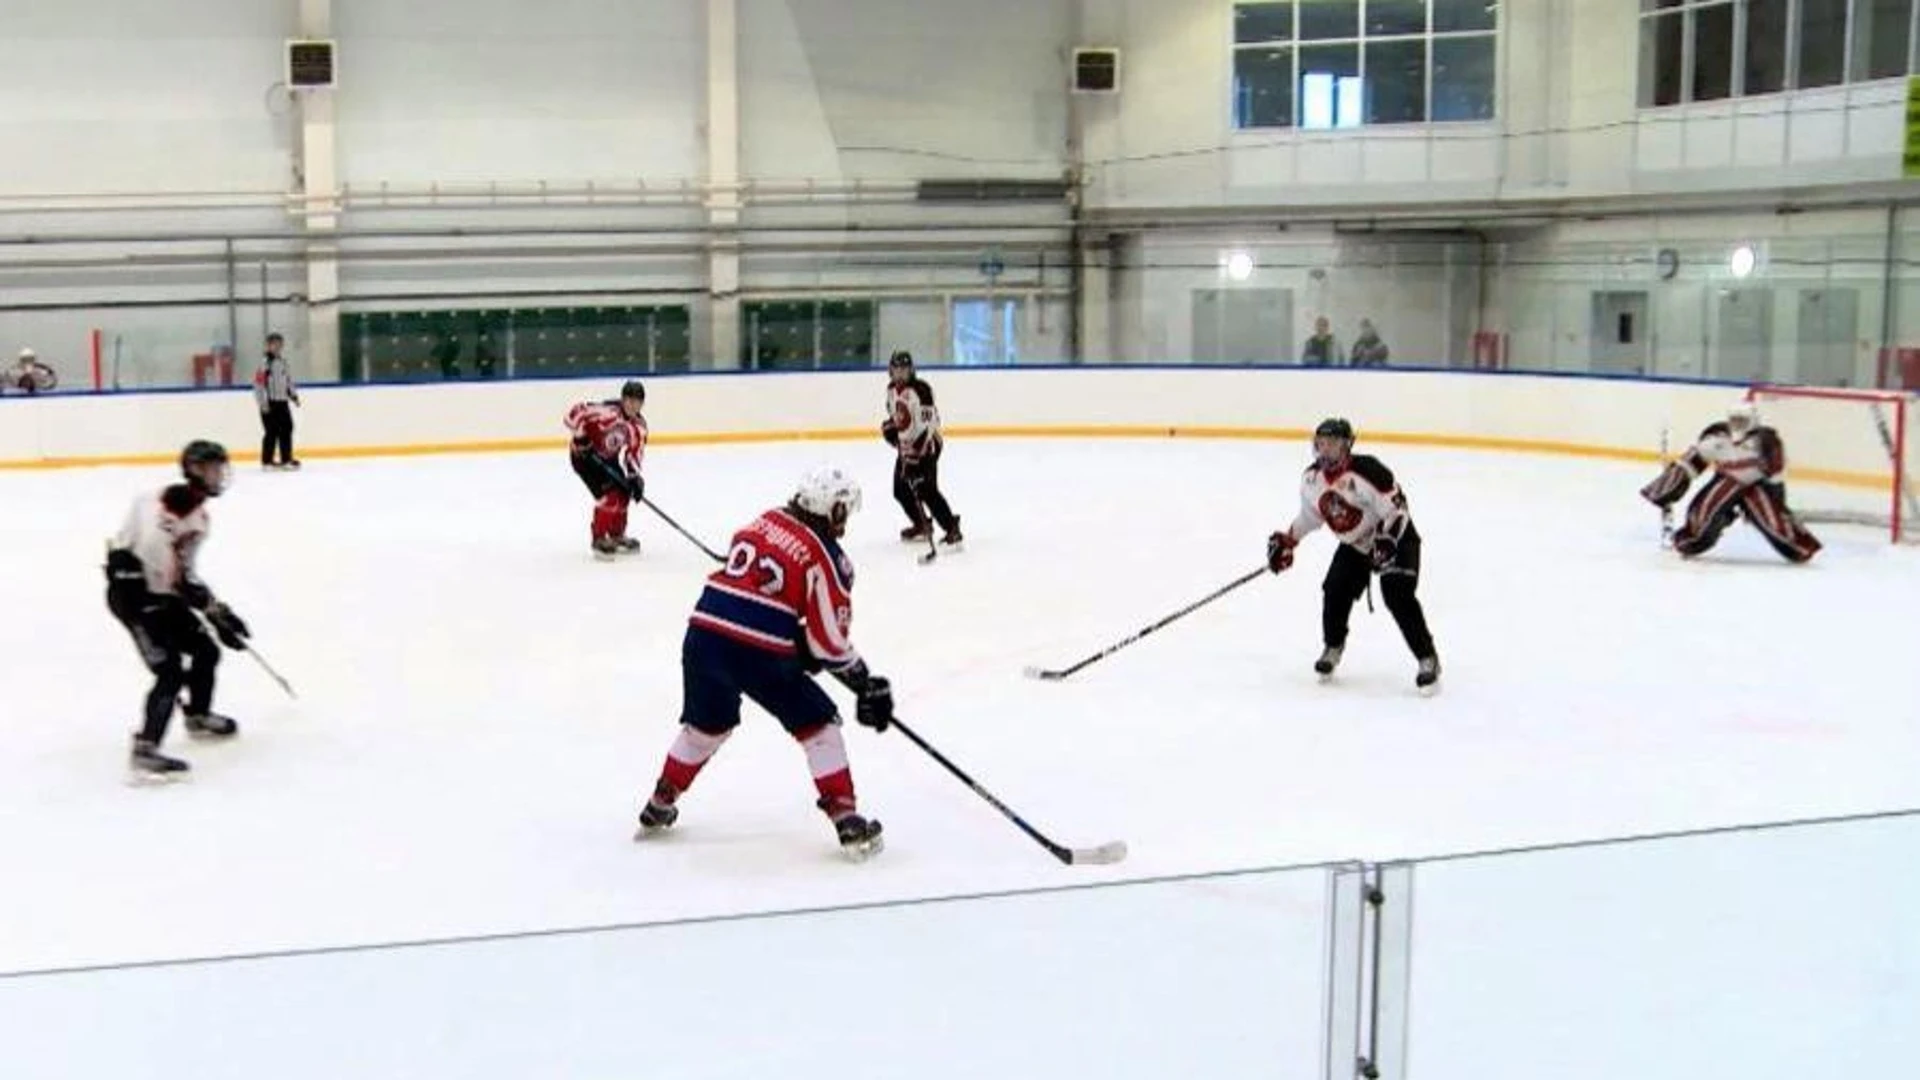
178	650
716	673
917	482
1764	504
276	425
610	498
1348	577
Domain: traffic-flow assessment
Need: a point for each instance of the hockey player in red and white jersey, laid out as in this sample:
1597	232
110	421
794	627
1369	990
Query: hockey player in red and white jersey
912	428
1355	497
609	439
778	611
1747	459
155	592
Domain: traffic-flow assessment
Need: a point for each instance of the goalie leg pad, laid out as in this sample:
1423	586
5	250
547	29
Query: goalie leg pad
1765	504
1708	515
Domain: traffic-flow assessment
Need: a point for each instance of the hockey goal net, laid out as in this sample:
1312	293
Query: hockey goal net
1850	455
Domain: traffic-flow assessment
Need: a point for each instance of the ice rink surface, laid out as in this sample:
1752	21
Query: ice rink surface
483	705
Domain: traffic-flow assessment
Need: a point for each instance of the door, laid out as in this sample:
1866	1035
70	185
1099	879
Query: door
1242	326
1620	334
1829	323
1743	336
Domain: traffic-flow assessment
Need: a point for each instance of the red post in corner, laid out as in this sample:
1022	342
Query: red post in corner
95	336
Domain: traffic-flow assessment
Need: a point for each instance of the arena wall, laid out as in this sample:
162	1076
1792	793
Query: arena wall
1593	417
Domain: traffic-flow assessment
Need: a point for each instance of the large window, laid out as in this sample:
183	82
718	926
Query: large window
1706	50
806	335
1321	64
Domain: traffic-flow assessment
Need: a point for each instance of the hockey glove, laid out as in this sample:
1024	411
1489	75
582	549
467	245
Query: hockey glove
636	487
196	595
890	433
875	708
1280	551
228	627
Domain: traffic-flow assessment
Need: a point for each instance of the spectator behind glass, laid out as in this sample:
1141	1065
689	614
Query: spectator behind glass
1320	350
1368	349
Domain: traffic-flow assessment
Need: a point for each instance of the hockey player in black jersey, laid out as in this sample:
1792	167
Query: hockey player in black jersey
1355	497
153	591
1747	459
912	428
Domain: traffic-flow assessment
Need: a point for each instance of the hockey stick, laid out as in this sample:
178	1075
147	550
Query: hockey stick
711	554
1110	852
932	551
1050	675
1666	512
247	647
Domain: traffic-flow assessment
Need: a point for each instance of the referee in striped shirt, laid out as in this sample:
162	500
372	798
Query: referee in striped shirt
275	393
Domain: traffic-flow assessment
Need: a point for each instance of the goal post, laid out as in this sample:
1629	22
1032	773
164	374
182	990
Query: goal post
1850	454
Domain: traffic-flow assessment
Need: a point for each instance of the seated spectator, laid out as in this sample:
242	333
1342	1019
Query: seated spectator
29	374
1368	349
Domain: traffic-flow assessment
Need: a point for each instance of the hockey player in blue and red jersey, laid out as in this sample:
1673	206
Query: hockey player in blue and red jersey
778	611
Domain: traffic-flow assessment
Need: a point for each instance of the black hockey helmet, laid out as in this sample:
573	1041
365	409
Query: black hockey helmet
205	465
901	358
634	389
1332	429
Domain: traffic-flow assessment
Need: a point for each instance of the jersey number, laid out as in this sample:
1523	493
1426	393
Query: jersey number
745	558
1340	515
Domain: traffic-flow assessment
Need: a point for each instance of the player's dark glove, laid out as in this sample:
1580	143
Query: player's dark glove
228	627
1385	549
636	487
196	595
891	433
875	707
1280	551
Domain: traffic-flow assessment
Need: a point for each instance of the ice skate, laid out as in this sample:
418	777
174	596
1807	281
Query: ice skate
606	548
1329	659
147	765
915	533
627	545
860	837
950	537
211	726
659	814
1428	677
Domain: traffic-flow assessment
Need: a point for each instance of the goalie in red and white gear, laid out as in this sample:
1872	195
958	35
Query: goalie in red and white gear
609	439
1746	459
1357	499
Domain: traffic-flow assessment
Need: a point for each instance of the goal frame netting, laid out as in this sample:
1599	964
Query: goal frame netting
1884	417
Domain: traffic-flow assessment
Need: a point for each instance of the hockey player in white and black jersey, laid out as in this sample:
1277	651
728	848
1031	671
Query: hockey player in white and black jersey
153	589
1747	459
1355	496
912	428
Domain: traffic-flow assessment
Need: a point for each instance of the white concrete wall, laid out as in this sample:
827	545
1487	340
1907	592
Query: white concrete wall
140	97
486	90
1604	416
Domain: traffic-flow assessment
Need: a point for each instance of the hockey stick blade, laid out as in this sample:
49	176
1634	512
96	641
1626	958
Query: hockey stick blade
1106	854
1044	675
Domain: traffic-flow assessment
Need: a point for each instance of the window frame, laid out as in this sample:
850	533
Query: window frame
1794	47
1293	44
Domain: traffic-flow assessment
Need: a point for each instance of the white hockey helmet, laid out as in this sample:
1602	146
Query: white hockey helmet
1743	416
27	353
828	492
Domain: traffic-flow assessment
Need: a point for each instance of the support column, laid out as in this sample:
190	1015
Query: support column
319	179
723	177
